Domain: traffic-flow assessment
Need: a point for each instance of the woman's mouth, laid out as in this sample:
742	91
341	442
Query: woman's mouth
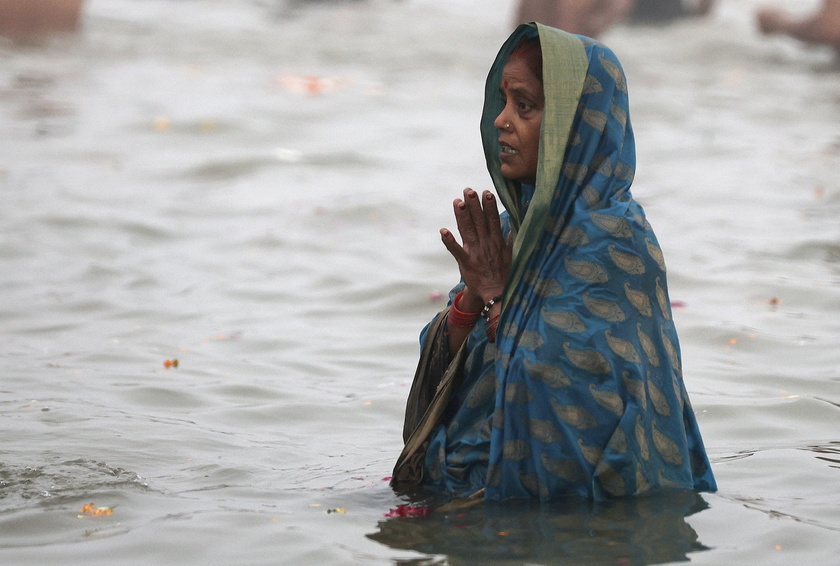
508	150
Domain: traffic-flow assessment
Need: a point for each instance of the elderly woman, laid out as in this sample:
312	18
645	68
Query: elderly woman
555	369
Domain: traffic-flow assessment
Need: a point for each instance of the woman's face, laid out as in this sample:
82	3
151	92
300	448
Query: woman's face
520	120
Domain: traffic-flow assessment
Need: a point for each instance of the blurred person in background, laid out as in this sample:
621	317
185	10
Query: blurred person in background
593	17
645	11
821	28
24	18
584	17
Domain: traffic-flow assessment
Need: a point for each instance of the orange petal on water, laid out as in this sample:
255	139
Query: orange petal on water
90	510
161	123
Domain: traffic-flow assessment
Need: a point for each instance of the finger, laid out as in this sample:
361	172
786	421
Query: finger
466	226
476	213
491	216
448	239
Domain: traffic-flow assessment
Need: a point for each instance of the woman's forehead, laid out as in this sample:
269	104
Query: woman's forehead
518	74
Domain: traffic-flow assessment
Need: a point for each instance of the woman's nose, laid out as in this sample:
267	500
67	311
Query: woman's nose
500	120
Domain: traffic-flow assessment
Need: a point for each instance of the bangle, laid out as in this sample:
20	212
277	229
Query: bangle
486	310
492	325
460	318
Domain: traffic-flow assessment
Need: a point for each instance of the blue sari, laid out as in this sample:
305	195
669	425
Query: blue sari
582	392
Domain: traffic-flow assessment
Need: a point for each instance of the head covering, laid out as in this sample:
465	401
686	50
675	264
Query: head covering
582	393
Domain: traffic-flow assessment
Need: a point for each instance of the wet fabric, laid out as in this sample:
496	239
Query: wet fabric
582	393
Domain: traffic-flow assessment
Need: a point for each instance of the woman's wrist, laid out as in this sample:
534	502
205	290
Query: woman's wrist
470	302
476	301
459	317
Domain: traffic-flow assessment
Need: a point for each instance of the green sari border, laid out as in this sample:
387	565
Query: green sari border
565	66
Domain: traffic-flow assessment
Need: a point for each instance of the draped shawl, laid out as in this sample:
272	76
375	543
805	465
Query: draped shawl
582	392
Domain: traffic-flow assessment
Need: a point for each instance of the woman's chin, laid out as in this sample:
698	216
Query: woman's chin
519	174
511	174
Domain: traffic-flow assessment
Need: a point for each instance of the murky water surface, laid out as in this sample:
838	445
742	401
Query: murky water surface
254	190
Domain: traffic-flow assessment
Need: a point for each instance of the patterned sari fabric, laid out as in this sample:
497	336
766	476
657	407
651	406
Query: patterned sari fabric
582	393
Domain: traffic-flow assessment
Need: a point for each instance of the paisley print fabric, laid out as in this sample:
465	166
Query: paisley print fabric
582	393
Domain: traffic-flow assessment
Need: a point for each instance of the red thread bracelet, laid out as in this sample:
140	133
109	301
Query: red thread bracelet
460	318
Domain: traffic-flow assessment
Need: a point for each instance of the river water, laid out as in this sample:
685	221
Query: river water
254	189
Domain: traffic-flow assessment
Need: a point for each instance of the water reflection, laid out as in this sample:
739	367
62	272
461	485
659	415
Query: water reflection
644	530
